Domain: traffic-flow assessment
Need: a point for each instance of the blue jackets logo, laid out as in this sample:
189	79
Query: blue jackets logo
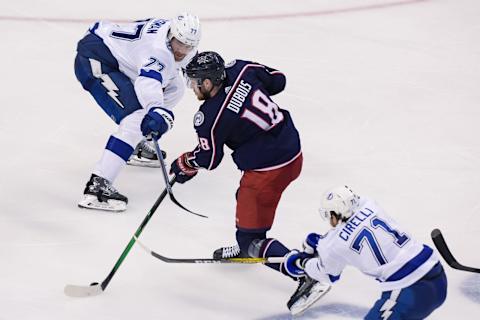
198	119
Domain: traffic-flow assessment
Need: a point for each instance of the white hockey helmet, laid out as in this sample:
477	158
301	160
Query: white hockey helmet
185	27
339	200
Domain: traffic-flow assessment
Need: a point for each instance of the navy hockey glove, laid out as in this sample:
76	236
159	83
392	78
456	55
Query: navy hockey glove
156	122
295	263
311	242
183	169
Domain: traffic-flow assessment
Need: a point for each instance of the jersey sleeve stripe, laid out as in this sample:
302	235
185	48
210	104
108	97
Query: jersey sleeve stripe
151	74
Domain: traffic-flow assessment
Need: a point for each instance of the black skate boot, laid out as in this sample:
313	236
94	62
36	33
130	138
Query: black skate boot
101	195
308	292
228	252
145	155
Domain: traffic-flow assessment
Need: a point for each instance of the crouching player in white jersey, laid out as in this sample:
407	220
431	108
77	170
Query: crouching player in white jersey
133	72
411	278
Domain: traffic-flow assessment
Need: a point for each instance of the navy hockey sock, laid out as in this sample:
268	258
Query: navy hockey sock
273	248
257	245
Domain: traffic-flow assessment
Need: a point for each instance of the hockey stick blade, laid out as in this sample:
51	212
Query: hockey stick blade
75	291
211	260
174	200
95	288
447	255
165	177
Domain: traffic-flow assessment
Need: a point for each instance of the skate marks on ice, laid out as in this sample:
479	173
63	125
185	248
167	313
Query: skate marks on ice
470	287
348	311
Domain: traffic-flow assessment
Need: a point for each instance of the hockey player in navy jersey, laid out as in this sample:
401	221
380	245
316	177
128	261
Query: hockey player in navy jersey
239	113
411	278
133	72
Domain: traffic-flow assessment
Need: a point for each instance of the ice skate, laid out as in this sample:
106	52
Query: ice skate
99	194
308	292
145	155
227	252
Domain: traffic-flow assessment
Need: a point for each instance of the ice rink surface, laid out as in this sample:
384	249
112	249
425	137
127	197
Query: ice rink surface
385	95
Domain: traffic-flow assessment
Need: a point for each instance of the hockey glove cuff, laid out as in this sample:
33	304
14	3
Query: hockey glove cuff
156	122
295	263
183	168
311	242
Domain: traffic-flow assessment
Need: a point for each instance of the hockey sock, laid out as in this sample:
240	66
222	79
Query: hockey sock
273	248
257	245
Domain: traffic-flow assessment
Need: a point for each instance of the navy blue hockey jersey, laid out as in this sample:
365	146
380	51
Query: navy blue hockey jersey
243	117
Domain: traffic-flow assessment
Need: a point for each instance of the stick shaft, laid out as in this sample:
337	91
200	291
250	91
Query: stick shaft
136	235
165	177
211	260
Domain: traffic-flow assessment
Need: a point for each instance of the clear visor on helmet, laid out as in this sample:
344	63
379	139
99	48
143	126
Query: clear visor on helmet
180	50
180	47
325	214
194	82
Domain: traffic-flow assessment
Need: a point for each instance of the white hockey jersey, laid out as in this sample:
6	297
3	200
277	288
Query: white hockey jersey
144	55
372	242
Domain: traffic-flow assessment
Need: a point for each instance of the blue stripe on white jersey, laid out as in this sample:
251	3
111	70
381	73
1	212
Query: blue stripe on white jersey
94	27
119	147
412	265
151	74
372	242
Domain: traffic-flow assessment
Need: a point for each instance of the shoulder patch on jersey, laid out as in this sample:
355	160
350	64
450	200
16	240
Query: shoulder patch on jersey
198	118
231	63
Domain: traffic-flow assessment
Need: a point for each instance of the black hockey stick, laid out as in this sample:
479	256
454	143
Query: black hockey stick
210	260
442	247
165	176
95	288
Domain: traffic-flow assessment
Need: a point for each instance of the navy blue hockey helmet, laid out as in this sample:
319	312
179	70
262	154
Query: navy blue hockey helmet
206	65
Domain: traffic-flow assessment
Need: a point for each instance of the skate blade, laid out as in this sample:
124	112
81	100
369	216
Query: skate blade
299	307
91	202
142	162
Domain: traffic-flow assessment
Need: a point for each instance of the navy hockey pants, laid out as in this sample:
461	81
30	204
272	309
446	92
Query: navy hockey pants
97	70
414	302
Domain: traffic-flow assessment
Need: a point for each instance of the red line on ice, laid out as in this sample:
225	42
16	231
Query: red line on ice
233	18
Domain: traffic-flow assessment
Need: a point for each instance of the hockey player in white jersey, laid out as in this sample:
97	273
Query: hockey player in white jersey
411	278
133	72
